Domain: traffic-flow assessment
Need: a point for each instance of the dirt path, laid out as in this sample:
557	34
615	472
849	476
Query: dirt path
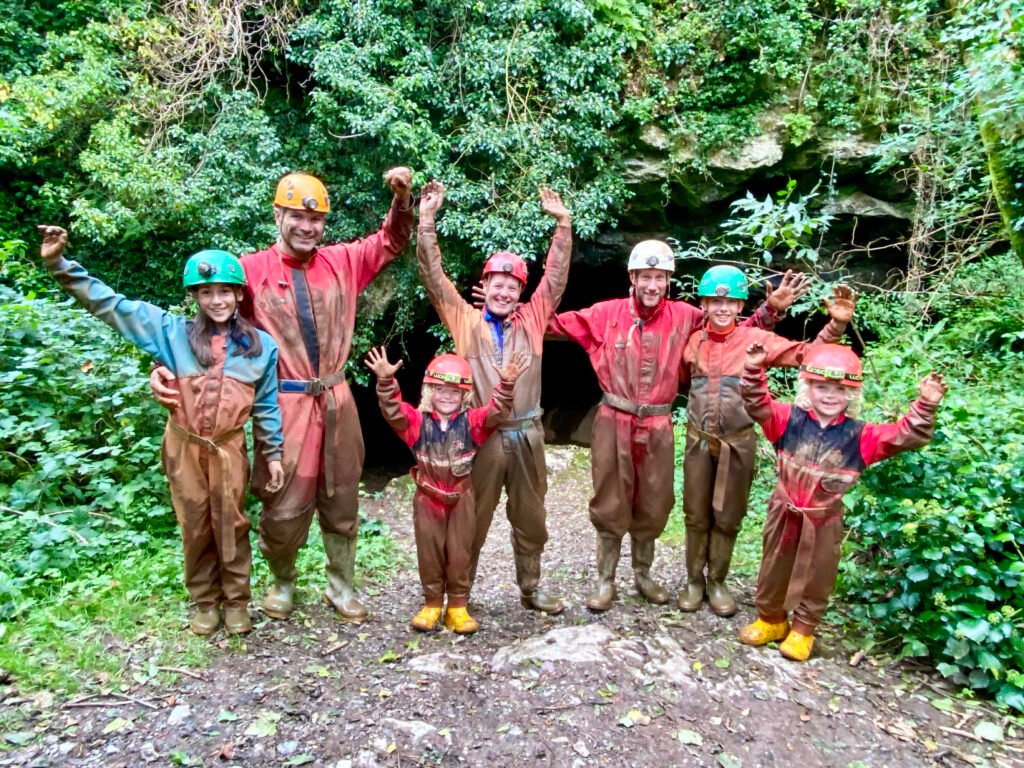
638	686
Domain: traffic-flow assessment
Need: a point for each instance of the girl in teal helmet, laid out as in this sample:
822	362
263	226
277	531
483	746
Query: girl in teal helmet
225	370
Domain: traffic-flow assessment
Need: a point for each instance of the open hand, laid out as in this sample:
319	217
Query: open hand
756	355
160	381
400	181
792	287
933	388
431	198
551	203
844	301
55	240
276	477
377	361
519	362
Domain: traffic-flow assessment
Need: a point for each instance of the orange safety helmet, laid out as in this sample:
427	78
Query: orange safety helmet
832	362
507	263
450	369
303	192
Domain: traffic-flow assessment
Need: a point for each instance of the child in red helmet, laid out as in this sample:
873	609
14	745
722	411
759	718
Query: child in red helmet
444	434
821	449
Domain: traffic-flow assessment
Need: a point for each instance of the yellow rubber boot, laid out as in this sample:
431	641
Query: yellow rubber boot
796	646
460	622
763	632
426	620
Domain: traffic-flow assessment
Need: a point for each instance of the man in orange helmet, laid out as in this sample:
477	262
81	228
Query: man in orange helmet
305	297
513	457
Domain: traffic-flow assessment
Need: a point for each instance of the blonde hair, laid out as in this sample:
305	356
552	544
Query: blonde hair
854	398
427	399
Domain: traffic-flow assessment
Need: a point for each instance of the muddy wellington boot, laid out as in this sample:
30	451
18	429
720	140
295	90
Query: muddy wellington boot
643	558
278	604
341	568
531	595
601	598
426	620
797	646
236	621
719	557
692	597
204	621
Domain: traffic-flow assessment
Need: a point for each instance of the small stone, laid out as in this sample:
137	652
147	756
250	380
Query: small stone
287	747
179	714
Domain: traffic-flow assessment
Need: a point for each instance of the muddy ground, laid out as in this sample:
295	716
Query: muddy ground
638	686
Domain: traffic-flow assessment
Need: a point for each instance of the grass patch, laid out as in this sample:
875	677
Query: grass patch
116	627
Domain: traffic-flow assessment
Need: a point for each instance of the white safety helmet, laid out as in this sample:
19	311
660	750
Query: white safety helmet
652	254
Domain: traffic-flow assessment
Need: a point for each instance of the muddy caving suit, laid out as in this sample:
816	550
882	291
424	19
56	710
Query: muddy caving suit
309	308
204	452
513	457
803	531
636	356
444	514
719	464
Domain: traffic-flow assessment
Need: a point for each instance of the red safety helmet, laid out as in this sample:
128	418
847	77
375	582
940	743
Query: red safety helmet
449	369
507	263
832	362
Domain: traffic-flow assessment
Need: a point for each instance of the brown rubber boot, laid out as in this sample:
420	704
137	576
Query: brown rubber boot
719	557
278	603
341	567
692	597
531	595
601	598
204	621
236	621
643	558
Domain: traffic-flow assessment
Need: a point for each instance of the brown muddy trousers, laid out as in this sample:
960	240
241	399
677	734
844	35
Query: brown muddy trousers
817	465
513	457
444	510
309	308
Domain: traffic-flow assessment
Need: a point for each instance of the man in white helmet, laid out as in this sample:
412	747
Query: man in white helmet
635	345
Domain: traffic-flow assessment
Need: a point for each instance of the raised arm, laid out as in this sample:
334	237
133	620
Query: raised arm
370	255
915	429
143	324
778	300
549	291
453	310
402	417
757	400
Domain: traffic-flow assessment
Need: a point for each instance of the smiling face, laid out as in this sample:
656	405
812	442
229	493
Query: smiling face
650	286
828	399
721	311
501	294
446	399
300	231
218	301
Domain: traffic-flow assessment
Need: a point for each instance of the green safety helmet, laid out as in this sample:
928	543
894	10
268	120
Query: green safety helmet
212	266
725	281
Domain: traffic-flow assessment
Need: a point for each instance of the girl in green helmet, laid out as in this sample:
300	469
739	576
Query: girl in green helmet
225	369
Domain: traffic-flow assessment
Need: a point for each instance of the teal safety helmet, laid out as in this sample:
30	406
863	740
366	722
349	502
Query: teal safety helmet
212	266
724	281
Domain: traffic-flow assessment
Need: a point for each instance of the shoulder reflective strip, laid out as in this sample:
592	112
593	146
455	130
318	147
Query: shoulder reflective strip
307	325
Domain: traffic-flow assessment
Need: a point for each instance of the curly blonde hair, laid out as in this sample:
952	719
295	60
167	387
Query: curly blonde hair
854	397
427	399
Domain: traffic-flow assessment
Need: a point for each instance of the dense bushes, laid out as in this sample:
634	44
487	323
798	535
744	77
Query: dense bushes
938	535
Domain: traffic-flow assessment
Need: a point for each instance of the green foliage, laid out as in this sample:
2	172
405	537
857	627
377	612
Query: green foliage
79	448
938	535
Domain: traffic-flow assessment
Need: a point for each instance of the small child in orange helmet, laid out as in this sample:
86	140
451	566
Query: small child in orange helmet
821	449
444	434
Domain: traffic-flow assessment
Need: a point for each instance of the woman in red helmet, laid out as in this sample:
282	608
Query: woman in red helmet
444	434
821	448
